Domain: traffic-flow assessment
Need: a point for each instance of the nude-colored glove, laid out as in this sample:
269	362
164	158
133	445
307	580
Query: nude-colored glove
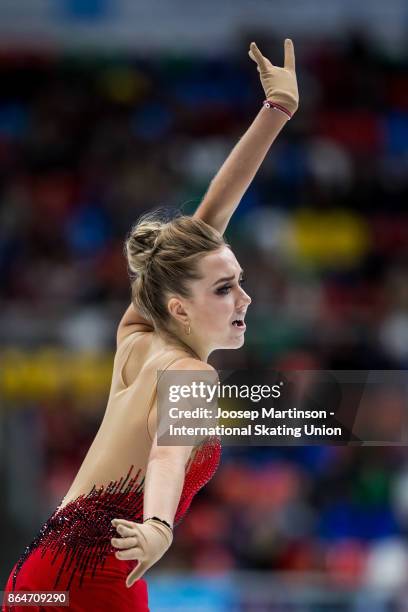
146	542
279	84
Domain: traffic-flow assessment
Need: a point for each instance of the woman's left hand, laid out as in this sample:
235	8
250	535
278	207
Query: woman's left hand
145	542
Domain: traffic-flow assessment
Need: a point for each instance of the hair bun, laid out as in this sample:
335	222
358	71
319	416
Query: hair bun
140	244
163	251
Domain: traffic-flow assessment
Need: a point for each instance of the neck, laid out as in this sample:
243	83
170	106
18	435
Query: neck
187	342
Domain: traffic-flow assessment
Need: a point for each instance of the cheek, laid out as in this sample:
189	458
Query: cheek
216	310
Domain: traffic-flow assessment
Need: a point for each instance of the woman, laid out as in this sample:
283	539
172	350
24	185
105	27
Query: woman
117	518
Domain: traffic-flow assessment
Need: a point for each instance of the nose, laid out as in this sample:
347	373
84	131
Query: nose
244	298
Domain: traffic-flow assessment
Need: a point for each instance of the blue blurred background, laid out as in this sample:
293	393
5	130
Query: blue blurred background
110	108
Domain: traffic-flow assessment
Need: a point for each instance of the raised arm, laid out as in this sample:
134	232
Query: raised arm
236	174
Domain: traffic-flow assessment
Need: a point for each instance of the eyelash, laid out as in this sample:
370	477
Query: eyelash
224	290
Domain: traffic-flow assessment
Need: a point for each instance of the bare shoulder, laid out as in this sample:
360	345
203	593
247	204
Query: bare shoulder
124	332
190	363
131	322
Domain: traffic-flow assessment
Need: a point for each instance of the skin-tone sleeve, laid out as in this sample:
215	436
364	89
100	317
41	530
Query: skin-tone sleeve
166	465
164	480
239	169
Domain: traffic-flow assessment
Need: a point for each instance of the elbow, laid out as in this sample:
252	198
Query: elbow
214	216
175	456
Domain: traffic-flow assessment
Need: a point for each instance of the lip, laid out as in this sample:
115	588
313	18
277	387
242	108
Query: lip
241	328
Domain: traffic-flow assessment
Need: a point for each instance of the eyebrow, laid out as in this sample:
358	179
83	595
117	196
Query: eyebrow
226	278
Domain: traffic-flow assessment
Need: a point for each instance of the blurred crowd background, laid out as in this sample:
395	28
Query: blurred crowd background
88	142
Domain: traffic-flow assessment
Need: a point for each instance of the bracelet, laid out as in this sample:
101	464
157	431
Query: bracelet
272	104
156	518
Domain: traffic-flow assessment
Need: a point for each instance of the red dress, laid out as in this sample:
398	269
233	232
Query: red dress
72	552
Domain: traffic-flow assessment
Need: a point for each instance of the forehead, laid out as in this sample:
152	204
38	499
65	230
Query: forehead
219	263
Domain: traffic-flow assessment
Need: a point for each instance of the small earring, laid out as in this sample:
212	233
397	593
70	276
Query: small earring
188	330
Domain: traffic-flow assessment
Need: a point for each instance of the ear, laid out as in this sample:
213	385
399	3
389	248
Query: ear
177	310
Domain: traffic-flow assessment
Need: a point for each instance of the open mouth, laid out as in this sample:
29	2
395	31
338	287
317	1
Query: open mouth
239	323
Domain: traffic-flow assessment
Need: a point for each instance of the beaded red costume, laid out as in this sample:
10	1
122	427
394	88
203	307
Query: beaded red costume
72	551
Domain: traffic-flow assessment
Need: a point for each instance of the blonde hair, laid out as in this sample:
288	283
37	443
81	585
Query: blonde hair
162	256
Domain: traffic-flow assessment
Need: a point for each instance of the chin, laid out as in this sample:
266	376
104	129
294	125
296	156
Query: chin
231	343
236	343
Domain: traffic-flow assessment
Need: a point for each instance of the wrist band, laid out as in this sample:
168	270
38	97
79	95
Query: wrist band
156	518
272	104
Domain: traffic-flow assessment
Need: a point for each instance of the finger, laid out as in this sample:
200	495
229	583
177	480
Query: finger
289	55
116	522
123	543
259	58
130	554
136	574
252	56
125	532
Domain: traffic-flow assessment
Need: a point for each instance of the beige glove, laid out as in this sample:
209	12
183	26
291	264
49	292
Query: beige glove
279	84
147	542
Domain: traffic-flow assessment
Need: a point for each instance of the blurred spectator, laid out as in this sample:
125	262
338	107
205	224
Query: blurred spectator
88	144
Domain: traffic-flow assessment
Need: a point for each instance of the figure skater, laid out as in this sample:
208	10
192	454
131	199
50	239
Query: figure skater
117	518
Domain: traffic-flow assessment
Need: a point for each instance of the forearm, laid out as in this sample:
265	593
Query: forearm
239	169
163	486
